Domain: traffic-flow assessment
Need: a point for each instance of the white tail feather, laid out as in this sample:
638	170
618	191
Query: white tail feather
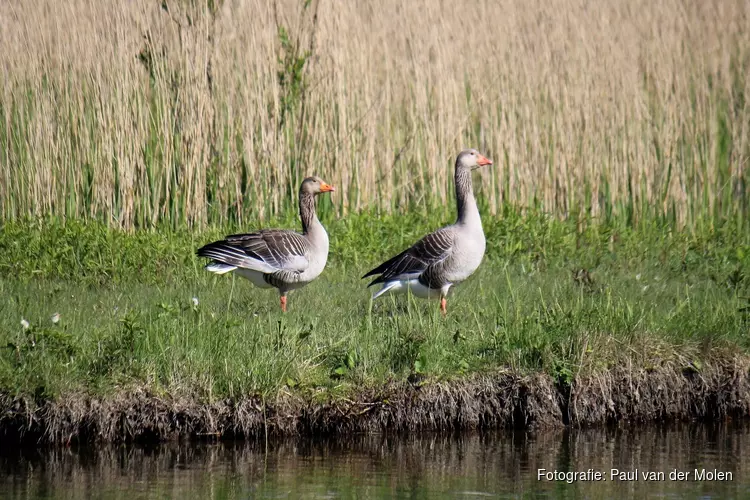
413	286
386	288
219	268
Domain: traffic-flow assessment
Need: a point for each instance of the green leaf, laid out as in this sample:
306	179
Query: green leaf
351	360
420	363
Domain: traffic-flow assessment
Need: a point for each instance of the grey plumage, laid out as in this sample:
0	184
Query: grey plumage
267	250
422	260
445	257
278	258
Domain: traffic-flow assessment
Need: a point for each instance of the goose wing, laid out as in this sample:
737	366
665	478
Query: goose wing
267	251
428	253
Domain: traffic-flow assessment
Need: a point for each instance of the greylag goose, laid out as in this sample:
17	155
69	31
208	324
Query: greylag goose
277	258
445	257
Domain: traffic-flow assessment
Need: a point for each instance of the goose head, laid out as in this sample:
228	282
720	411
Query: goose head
471	159
315	185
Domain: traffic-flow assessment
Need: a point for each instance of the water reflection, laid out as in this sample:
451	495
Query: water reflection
502	464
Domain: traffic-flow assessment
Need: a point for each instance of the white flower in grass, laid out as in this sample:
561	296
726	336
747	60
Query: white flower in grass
195	301
55	318
25	324
638	277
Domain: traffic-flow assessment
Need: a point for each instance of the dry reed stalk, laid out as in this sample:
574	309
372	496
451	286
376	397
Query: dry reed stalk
139	114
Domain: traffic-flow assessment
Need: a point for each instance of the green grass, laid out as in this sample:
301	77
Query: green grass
128	319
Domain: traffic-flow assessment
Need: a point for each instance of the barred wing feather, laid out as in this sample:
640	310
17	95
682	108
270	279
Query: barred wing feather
428	253
266	251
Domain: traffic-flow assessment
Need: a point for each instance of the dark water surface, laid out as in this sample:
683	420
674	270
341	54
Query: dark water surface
488	465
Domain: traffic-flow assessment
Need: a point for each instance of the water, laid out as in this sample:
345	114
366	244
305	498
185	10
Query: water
488	465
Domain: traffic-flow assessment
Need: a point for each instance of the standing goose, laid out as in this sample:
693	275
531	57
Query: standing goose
447	256
277	258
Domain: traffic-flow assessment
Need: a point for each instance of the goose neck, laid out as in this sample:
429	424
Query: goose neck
307	212
468	213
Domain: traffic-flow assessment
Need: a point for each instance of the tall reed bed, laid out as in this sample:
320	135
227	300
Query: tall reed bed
202	112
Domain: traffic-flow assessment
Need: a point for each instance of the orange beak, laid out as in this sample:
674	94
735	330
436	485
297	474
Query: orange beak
326	188
482	161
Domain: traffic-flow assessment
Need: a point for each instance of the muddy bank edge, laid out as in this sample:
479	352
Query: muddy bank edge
482	401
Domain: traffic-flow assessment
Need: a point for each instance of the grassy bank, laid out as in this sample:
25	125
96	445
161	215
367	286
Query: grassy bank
566	301
152	127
